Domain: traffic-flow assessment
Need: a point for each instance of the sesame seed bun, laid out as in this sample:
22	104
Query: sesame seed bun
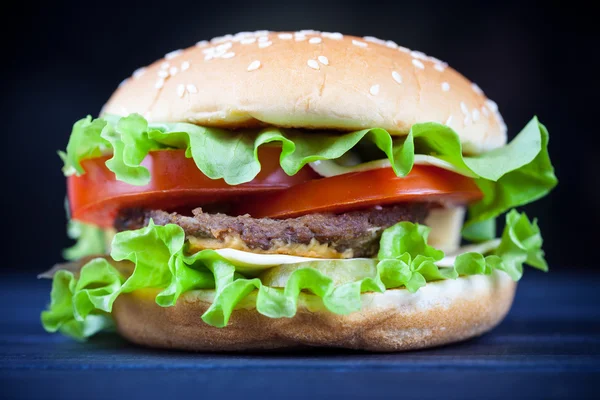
312	80
439	313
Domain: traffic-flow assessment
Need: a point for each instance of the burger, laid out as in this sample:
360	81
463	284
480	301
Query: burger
289	189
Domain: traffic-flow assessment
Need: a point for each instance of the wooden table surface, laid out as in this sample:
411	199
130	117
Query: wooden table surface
548	347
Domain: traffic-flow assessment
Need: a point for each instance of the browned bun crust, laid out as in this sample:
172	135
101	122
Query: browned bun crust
396	320
310	80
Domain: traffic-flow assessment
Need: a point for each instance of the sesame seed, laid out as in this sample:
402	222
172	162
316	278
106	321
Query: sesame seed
418	63
475	115
285	36
485	112
313	64
241	35
373	39
254	65
476	89
299	38
139	72
418	54
262	45
493	107
323	60
192	88
159	83
231	54
467	120
173	54
359	43
124	81
180	90
501	122
397	77
173	71
315	40
209	57
445	86
202	43
185	65
162	73
449	121
491	104
464	108
374	90
403	49
439	67
263	39
220	39
309	32
261	33
332	35
248	40
224	47
164	65
391	44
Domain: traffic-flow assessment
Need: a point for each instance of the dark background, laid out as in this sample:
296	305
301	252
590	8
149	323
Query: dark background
62	60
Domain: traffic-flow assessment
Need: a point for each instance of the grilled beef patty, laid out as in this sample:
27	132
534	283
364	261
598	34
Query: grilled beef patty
325	235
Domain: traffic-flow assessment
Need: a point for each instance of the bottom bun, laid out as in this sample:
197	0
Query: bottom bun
439	313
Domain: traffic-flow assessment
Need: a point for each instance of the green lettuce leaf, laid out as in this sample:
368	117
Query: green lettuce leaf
521	244
508	187
85	142
72	309
406	237
233	156
406	258
130	141
480	231
89	240
510	176
80	305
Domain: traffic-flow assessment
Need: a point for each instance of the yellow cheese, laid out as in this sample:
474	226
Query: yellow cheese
313	249
446	225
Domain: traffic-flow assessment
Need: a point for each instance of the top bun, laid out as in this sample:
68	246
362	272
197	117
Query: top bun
310	79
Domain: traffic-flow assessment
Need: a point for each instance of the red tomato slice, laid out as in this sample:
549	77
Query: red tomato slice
96	196
362	189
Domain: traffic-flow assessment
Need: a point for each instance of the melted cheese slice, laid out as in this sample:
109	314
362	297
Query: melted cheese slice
446	225
253	263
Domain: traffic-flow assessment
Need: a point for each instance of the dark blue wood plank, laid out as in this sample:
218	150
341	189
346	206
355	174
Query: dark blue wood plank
548	347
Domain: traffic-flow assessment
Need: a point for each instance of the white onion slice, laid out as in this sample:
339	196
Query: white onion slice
328	168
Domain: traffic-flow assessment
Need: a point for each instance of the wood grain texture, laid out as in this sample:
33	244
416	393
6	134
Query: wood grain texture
547	347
